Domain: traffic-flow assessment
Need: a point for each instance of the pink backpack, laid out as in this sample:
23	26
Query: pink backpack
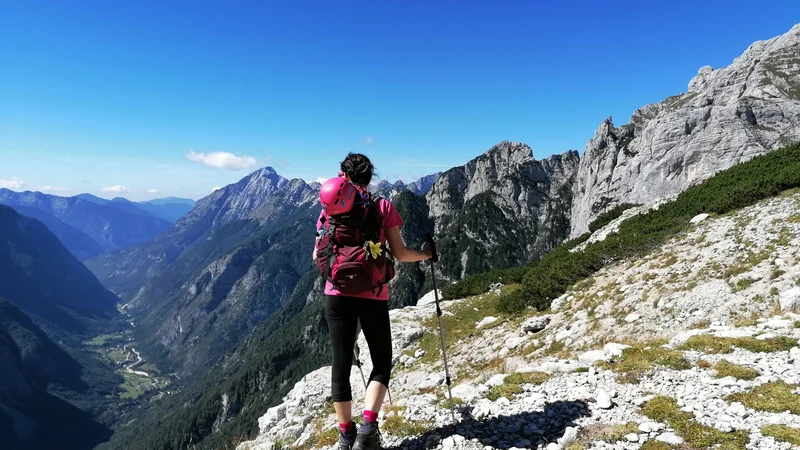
349	252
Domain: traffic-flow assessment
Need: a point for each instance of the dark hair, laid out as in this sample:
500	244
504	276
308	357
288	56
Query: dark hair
358	167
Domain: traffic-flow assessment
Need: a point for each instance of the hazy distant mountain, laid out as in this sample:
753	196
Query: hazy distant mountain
112	224
169	208
80	244
171	200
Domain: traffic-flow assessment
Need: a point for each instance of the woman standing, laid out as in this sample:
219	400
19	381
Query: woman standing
370	307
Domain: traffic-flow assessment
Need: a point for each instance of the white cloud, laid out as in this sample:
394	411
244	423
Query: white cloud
117	188
216	189
321	180
222	160
14	183
369	140
153	191
51	188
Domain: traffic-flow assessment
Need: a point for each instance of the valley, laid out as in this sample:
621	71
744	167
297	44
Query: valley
141	377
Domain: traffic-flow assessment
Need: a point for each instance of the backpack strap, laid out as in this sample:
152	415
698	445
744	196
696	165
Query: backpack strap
330	228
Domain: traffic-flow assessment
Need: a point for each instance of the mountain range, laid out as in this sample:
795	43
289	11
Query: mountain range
228	299
90	226
502	209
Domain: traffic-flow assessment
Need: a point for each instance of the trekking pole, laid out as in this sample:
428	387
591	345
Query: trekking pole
435	258
356	353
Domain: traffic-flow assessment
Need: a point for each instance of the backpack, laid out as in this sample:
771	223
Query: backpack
349	252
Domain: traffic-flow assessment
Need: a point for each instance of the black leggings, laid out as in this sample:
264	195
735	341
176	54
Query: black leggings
343	314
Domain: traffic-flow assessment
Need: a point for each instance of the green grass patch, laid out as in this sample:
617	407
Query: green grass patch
527	378
743	284
606	433
613	433
101	340
642	359
461	324
717	345
741	185
773	291
131	386
782	433
776	273
580	370
509	391
322	438
747	322
443	401
751	260
117	355
775	397
665	409
399	426
655	445
512	385
728	369
635	362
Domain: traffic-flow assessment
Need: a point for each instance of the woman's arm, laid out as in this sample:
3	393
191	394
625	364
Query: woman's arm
399	249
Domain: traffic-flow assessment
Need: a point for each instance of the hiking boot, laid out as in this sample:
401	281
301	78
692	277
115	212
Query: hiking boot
346	440
368	437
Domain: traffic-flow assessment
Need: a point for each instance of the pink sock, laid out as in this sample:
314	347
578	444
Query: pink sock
345	427
370	416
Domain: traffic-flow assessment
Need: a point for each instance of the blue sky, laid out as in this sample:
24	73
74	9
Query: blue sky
137	97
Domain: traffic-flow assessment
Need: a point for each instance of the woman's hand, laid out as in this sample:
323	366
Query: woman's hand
428	250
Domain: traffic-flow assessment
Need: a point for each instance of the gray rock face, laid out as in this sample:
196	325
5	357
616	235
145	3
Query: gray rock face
424	184
728	116
501	208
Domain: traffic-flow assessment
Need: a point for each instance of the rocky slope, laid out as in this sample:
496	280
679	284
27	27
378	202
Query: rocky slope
110	225
695	344
501	209
727	116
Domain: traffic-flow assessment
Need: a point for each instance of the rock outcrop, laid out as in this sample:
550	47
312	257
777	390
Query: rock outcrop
728	116
502	208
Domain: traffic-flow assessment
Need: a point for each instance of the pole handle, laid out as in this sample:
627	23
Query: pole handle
435	255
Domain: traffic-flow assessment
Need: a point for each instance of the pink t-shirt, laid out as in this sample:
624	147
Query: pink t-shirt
391	219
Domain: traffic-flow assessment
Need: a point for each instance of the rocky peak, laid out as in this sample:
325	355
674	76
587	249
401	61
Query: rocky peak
424	184
504	199
700	81
245	199
728	115
508	169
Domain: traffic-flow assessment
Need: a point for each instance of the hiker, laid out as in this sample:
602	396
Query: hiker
361	266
